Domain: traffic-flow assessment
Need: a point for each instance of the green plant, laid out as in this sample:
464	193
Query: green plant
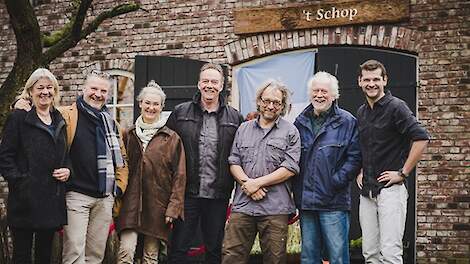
293	241
355	243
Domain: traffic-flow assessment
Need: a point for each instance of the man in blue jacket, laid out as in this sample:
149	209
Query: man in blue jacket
330	159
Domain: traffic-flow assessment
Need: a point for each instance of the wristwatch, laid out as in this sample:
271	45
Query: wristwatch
400	172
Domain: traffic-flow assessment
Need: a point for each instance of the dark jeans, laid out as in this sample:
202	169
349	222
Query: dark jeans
23	243
211	215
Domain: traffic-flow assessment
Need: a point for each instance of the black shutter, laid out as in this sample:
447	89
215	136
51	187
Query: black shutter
177	76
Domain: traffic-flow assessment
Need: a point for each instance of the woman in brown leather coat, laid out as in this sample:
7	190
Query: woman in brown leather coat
157	179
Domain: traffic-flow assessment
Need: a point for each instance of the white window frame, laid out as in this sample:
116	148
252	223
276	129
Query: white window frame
113	106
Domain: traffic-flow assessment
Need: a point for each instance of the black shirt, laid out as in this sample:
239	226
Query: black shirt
385	134
84	178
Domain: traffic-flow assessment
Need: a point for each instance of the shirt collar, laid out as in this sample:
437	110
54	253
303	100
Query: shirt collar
323	115
385	99
276	123
207	112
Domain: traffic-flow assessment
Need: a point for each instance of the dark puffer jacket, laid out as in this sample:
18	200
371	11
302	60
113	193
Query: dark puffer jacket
186	120
29	153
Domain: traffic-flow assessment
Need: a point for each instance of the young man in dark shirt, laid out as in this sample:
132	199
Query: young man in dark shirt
387	128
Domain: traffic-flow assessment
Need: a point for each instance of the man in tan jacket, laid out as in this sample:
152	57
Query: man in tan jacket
99	171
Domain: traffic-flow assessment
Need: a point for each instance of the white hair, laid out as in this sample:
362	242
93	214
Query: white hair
324	78
152	88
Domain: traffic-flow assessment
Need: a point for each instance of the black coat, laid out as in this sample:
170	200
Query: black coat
186	120
29	153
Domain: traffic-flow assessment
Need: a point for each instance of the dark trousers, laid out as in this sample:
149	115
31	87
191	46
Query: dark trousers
23	243
210	215
241	233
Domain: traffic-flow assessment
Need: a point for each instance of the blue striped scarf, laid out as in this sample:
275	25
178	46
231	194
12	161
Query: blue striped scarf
108	151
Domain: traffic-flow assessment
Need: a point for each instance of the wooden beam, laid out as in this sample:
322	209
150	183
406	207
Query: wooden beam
255	20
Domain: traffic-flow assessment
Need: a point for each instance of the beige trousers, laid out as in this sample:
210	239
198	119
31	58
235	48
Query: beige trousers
129	243
383	224
86	232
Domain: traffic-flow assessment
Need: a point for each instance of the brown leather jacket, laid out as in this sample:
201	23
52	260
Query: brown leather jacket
70	115
157	181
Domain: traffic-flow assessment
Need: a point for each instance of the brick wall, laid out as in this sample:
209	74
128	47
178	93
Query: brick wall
203	29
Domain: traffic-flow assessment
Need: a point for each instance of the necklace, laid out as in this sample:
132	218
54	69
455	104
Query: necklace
45	117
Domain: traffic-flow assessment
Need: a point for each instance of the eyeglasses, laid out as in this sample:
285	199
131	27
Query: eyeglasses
267	102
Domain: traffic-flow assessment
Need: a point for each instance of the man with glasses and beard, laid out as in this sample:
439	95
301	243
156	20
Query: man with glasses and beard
265	155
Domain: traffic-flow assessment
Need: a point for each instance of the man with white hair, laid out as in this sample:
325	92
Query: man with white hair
330	159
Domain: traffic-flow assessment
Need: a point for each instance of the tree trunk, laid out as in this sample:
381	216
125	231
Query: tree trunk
29	54
16	78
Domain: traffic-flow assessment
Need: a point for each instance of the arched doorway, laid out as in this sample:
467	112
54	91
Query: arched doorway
343	62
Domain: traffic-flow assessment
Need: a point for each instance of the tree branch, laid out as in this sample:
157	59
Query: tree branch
56	36
116	11
26	28
73	27
69	40
79	18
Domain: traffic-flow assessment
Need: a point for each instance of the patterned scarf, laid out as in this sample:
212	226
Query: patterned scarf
146	131
108	151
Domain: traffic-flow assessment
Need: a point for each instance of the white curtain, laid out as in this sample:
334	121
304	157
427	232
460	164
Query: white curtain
293	69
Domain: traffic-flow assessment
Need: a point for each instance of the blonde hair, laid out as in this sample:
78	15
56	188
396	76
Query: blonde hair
34	78
152	88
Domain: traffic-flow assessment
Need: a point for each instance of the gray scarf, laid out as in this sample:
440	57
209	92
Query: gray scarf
146	131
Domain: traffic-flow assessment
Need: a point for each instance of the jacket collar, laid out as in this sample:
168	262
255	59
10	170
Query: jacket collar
197	100
164	130
33	119
334	118
384	100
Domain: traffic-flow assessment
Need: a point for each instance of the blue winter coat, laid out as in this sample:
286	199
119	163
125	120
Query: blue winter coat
329	161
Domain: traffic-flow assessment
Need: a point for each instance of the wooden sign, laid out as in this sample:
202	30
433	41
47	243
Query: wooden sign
255	20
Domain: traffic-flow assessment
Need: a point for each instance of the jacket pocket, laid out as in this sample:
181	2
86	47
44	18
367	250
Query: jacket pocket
247	152
328	157
276	148
331	153
23	188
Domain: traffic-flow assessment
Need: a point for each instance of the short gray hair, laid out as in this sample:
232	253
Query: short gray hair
277	85
152	88
324	77
213	66
100	75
